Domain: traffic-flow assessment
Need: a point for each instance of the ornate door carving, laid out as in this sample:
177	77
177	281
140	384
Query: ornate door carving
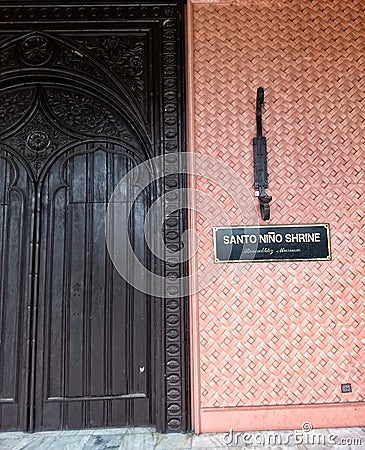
80	107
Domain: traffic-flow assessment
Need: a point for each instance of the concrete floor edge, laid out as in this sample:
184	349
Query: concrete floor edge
147	438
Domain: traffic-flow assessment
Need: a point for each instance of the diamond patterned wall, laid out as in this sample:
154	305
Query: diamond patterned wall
284	333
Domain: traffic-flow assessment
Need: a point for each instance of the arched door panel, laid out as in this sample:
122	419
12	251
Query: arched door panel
16	194
93	331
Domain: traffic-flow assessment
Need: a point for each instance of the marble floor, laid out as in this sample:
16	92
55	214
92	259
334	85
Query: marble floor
147	438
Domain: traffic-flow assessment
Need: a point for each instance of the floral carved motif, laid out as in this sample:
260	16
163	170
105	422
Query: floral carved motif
7	58
36	50
14	106
86	115
124	57
38	141
73	60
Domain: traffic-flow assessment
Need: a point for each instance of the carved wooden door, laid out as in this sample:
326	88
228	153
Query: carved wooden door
81	106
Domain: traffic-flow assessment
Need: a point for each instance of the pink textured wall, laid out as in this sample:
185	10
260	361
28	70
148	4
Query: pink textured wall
270	336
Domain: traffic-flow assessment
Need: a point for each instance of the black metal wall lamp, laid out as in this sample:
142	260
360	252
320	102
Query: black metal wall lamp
260	160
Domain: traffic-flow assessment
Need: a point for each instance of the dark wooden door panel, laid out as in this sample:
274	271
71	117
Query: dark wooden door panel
16	193
88	92
93	333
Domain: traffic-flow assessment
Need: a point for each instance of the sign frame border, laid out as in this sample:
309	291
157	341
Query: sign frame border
218	261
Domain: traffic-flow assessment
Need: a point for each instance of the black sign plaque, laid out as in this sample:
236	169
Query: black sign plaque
272	243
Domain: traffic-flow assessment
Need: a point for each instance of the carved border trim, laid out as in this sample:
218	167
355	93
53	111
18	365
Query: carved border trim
173	269
80	13
175	314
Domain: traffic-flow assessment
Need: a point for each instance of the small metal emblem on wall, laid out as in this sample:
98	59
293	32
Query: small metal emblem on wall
272	243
